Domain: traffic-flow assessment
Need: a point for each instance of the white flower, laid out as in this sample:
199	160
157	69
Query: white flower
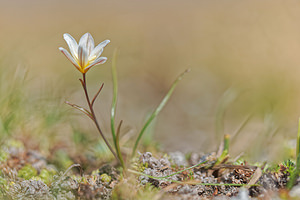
84	55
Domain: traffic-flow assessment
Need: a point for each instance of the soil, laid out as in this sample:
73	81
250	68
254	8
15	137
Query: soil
213	179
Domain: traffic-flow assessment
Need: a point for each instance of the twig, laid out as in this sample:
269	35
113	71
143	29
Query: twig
244	167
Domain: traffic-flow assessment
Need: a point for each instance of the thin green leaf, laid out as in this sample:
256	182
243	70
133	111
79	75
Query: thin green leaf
158	109
226	142
115	95
298	147
118	144
229	96
113	108
295	173
240	128
118	132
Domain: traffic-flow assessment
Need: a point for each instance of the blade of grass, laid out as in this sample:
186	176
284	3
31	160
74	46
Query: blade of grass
115	95
240	128
118	149
113	108
255	177
229	96
118	133
224	154
158	109
226	143
296	171
298	147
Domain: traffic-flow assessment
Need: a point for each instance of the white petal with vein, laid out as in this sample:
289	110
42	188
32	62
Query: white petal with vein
73	46
98	61
82	56
85	42
70	58
99	49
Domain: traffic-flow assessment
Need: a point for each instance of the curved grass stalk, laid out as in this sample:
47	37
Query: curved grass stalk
156	112
240	128
296	171
298	147
115	94
118	148
113	109
229	96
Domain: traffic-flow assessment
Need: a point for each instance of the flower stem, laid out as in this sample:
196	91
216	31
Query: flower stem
83	82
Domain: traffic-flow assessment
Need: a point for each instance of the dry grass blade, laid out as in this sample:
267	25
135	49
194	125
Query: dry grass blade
71	167
85	111
240	128
255	177
238	157
229	166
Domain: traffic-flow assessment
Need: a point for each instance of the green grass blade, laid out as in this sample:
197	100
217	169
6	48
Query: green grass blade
226	143
158	109
240	128
298	148
229	96
296	171
118	149
113	108
115	95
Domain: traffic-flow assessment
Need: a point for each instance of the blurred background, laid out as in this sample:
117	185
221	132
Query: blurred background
244	57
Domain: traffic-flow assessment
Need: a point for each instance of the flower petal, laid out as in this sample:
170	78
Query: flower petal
98	50
73	46
82	57
98	61
87	42
70	58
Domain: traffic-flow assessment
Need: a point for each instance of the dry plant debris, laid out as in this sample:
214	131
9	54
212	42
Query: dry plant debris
26	174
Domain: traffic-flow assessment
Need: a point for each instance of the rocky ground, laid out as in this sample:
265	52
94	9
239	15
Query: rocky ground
26	174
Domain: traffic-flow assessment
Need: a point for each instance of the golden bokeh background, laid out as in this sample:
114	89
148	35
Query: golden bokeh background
251	49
